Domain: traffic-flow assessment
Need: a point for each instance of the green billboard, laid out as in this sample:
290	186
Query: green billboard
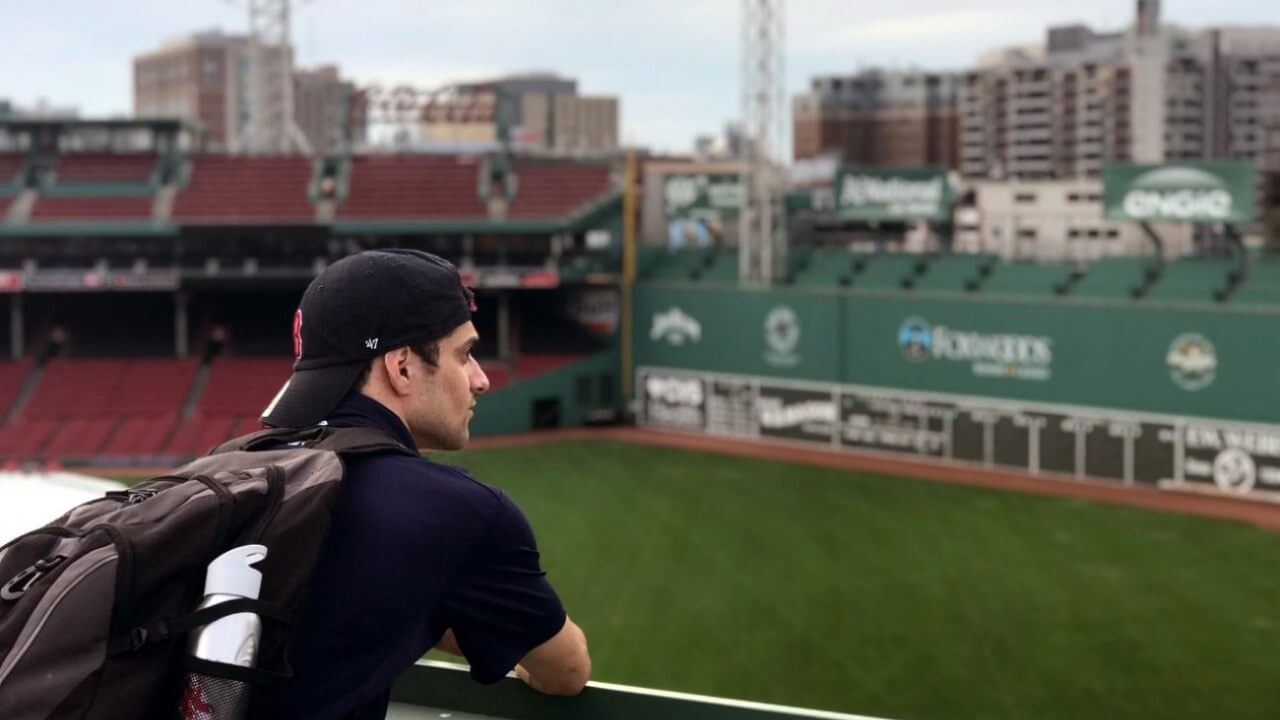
702	196
1186	191
771	333
876	194
1201	363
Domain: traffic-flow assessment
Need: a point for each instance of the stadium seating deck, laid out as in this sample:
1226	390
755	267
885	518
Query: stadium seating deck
527	366
1021	278
826	267
199	435
1112	278
268	189
679	264
104	168
13	373
723	267
413	187
10	166
4	206
92	208
140	436
885	271
240	387
79	437
949	273
1192	280
499	374
556	190
1261	285
92	388
25	438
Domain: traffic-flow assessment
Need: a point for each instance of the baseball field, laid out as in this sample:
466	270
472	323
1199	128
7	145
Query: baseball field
895	597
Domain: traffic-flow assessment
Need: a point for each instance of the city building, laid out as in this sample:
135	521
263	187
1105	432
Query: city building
210	78
1147	93
322	107
537	112
880	118
1053	220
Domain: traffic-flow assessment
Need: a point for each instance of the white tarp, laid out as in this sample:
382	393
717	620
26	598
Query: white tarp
31	500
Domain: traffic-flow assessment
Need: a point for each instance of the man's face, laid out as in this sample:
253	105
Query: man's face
444	401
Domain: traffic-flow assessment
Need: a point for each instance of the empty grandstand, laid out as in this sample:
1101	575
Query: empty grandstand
150	291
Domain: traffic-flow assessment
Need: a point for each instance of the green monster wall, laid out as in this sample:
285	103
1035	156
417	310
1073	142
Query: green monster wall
1210	362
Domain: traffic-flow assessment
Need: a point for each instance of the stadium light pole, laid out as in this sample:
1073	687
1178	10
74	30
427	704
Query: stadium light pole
272	121
761	235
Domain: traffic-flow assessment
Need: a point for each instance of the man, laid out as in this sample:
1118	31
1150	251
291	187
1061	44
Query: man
419	554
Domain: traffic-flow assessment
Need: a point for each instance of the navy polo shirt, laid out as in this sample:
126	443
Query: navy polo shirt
415	548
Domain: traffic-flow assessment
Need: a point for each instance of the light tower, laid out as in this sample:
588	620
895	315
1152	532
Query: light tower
762	229
271	123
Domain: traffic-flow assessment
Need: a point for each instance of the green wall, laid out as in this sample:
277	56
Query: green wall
510	410
730	331
1208	362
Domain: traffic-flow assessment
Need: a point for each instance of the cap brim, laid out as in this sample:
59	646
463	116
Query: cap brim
308	396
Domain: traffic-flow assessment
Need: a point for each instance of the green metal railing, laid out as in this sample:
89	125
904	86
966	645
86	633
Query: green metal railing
445	690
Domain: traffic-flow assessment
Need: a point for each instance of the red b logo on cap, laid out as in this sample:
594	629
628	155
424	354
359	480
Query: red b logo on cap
297	335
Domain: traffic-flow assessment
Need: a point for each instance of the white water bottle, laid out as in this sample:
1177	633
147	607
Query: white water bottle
231	640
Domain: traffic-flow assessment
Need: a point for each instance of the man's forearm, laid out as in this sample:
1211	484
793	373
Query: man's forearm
448	643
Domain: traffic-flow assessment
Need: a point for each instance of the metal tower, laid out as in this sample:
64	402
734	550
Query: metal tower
762	229
272	127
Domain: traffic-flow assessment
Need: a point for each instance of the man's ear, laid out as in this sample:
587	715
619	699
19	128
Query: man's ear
396	364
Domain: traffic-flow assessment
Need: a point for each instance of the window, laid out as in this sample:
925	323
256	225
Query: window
1024	198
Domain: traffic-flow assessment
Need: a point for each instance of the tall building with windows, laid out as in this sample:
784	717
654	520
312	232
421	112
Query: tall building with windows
1147	93
538	112
875	117
203	77
206	77
321	107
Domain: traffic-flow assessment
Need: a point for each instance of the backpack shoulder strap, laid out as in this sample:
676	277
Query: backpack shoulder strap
344	441
360	440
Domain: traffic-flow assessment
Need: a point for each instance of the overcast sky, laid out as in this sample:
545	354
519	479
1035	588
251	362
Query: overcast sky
673	63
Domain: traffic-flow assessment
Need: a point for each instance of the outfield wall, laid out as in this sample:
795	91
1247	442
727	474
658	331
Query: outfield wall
1167	396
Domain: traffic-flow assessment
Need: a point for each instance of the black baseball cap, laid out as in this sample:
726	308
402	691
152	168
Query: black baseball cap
357	309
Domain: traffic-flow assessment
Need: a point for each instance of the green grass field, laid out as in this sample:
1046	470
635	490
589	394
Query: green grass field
893	597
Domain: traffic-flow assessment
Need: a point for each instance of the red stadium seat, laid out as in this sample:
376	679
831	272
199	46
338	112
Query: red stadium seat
199	435
13	374
79	437
89	388
227	189
105	168
10	166
25	438
140	436
528	366
552	190
390	187
92	208
242	387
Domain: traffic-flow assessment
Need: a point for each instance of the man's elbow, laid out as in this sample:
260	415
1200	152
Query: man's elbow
573	680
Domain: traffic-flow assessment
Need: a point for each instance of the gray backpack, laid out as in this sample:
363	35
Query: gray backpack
95	606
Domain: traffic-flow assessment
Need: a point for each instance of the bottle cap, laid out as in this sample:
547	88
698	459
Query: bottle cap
232	572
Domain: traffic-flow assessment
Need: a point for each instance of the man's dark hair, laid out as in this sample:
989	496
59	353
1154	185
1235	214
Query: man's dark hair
428	351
